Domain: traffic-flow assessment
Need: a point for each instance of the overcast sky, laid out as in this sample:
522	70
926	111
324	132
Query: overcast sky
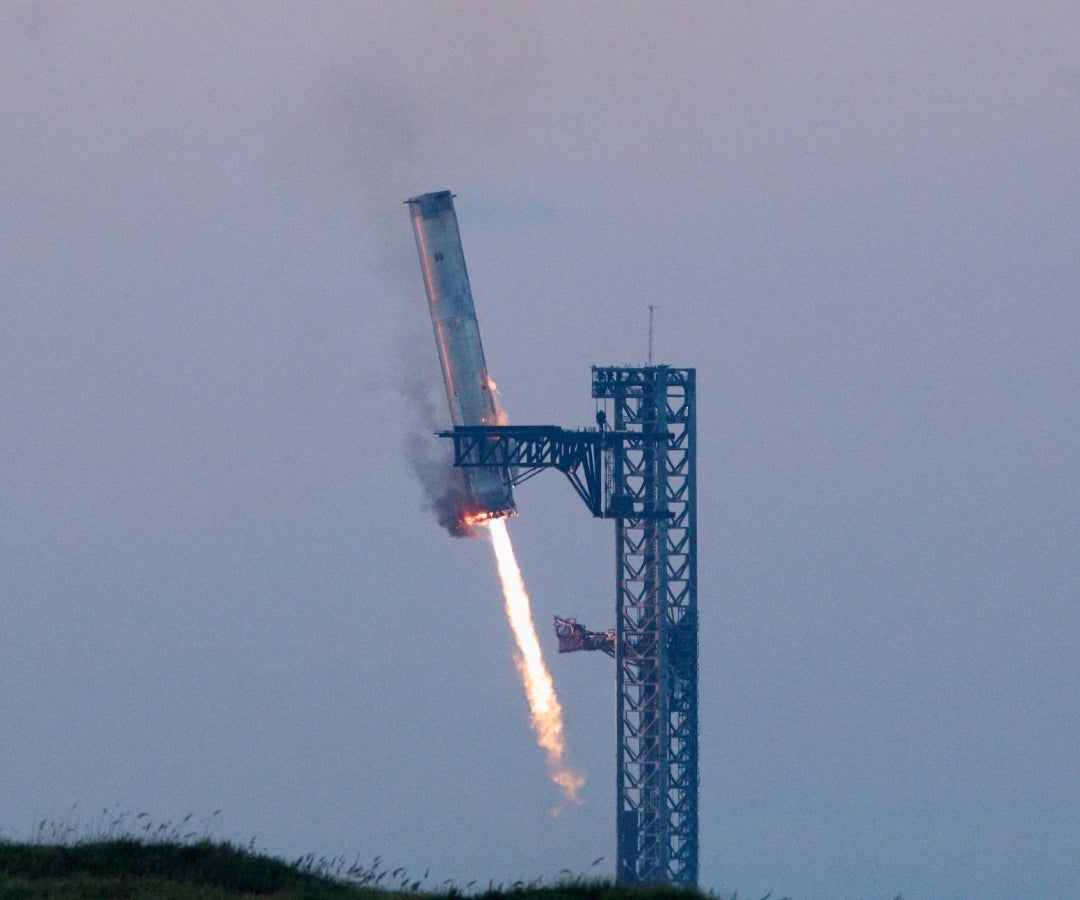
219	587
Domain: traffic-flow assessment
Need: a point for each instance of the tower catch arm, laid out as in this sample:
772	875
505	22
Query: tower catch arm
524	450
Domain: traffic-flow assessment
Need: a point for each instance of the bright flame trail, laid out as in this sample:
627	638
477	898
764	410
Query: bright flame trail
546	711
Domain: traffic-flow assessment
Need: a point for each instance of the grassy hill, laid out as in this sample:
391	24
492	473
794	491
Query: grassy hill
134	869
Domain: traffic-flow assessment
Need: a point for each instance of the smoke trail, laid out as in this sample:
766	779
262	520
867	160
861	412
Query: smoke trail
443	485
546	711
431	459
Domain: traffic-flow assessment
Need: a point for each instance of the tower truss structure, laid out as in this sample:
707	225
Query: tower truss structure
638	468
652	484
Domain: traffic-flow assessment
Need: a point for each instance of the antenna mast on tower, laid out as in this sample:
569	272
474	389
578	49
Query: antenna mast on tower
651	308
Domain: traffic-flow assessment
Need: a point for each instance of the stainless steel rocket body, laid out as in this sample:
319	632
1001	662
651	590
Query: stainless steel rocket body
457	334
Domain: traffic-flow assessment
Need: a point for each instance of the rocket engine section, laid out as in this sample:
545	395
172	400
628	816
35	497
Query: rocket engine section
469	390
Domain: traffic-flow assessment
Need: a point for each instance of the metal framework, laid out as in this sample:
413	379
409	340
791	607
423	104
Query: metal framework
574	636
526	450
653	488
637	467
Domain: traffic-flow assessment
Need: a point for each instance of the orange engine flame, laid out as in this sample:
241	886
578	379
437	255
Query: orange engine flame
479	518
544	705
468	520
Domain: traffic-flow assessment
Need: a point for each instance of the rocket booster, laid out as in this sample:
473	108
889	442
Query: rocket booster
469	390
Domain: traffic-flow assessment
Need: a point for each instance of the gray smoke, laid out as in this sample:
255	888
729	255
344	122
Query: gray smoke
354	142
443	485
432	458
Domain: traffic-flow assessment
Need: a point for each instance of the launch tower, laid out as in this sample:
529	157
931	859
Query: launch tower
652	488
638	468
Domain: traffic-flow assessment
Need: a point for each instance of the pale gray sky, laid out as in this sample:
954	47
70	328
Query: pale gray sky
218	588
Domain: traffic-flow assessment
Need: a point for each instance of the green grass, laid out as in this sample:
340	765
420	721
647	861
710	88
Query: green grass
134	868
126	867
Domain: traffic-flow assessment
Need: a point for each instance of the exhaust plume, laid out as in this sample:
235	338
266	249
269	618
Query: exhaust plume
543	703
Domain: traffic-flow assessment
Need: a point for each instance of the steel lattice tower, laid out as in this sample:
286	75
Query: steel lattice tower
638	468
651	485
